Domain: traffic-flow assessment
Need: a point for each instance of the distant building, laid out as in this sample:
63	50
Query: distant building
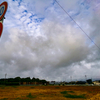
96	83
52	82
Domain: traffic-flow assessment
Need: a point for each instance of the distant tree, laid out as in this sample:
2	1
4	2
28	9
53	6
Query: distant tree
17	79
37	80
2	81
33	79
43	82
73	82
22	80
89	81
28	79
80	82
10	79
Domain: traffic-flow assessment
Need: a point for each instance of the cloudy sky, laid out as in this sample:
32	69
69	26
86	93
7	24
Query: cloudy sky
40	40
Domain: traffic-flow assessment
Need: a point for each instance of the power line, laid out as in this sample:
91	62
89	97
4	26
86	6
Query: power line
77	24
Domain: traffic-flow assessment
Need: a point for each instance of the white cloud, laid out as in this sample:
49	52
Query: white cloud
40	40
59	48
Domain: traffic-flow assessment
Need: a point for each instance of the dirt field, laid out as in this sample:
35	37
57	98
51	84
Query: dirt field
49	93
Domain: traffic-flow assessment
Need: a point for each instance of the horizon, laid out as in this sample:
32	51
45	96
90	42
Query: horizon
53	80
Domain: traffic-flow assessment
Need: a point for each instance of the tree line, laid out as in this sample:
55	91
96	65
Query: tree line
18	80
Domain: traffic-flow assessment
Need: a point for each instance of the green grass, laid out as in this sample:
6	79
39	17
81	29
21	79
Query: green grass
2	86
30	96
71	91
90	91
40	94
14	86
32	87
74	96
64	92
67	95
57	87
17	99
4	99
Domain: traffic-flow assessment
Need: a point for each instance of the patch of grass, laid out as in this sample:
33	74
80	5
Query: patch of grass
32	87
57	87
64	92
4	99
30	96
75	96
90	92
14	86
67	95
71	91
2	86
17	99
40	94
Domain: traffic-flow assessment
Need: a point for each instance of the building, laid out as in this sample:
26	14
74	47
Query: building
96	83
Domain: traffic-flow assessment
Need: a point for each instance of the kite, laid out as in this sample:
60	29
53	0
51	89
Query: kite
3	9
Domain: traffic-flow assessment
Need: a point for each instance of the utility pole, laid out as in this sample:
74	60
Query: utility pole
71	78
5	78
85	77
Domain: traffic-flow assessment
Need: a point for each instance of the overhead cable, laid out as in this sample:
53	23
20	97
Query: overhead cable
78	25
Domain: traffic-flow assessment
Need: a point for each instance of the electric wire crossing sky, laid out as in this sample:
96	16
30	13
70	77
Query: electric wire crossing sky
78	26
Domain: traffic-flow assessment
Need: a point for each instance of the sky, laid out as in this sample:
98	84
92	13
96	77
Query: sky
40	40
